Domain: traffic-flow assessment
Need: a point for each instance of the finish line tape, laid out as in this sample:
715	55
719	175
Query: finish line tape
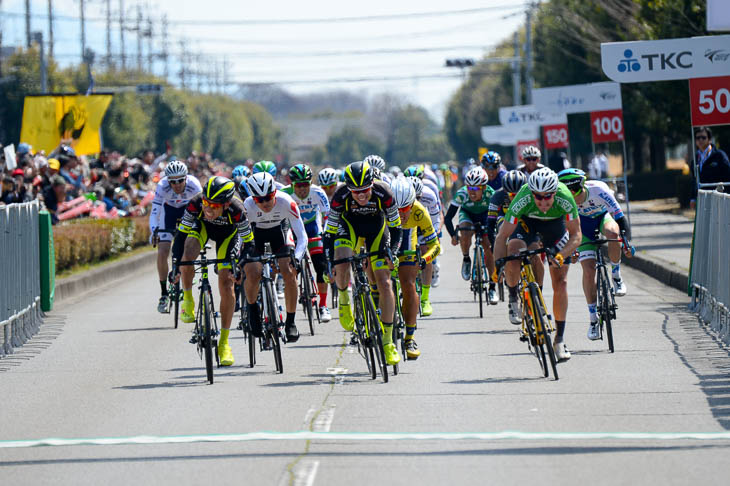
365	436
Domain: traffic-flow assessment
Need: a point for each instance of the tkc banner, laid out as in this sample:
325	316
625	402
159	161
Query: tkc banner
663	60
578	98
718	15
498	134
529	115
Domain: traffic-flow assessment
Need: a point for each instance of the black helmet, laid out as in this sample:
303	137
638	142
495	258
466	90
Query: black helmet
219	189
359	175
514	180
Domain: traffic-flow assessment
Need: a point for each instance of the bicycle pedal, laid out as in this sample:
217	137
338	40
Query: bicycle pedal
523	338
194	340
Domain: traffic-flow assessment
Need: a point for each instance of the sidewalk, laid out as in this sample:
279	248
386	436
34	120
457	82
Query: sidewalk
663	243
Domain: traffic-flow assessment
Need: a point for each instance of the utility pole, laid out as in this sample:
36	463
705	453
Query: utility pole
148	33
516	77
199	70
50	29
139	38
528	53
38	38
83	32
27	23
121	35
165	46
183	64
108	60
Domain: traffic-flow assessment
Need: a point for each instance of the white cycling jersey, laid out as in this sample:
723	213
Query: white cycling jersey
434	188
285	209
599	200
313	208
431	202
429	174
164	195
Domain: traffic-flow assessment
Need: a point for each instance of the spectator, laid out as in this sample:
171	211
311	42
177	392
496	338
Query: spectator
54	195
712	163
9	193
598	166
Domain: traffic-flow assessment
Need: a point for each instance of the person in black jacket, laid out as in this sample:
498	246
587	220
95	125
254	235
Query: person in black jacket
712	163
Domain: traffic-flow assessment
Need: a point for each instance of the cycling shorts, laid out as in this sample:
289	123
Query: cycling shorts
552	233
409	242
279	241
471	218
170	218
227	242
588	226
375	238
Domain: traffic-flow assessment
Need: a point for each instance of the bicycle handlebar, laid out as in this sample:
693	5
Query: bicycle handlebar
356	257
522	254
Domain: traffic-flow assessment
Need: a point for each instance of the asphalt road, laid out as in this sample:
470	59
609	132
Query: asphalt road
107	365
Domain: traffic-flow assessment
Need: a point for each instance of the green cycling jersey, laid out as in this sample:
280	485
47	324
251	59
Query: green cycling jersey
523	206
461	200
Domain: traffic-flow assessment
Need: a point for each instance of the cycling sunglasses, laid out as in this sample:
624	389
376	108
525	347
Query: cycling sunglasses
211	204
302	184
543	197
474	188
175	181
263	199
493	166
361	191
329	185
531	159
405	209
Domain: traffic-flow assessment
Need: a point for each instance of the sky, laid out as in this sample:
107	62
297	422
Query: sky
399	47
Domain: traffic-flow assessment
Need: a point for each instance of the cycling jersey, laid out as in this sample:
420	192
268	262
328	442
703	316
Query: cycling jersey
313	208
166	196
430	175
432	203
523	168
419	223
498	205
496	183
599	200
523	206
285	209
433	186
469	211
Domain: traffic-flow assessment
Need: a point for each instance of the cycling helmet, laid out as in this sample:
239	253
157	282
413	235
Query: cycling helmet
327	177
219	189
376	161
358	175
417	185
491	158
176	169
471	161
265	166
476	177
414	170
261	184
573	178
240	171
543	180
340	175
377	174
403	192
531	151
514	180
300	173
444	167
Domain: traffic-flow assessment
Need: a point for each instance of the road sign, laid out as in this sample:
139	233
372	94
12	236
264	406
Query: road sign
555	136
710	100
528	115
578	98
662	60
607	126
525	143
498	134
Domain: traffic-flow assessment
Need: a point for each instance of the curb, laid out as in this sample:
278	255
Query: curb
665	273
73	286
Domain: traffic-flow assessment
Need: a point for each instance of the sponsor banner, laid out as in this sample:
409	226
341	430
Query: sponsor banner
501	135
481	152
521	144
662	60
607	126
710	100
578	98
529	115
555	136
74	119
718	15
10	162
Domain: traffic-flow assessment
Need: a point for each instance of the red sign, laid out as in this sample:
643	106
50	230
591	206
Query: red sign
556	136
526	143
607	126
710	100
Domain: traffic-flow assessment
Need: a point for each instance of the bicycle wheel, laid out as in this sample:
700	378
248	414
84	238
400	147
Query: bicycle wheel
245	326
334	294
307	296
207	336
479	274
175	296
376	332
273	329
604	305
364	338
541	327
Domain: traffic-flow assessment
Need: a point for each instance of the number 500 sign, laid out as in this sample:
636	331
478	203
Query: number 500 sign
710	100
607	126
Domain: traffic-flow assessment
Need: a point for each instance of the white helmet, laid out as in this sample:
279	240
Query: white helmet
404	192
417	185
543	180
176	169
531	151
327	177
476	177
261	184
375	161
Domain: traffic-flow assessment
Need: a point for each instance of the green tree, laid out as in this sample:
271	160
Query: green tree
350	144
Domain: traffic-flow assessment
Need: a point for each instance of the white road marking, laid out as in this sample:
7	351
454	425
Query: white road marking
323	422
305	472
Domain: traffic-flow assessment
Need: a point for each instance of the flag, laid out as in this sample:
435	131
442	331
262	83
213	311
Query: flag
74	119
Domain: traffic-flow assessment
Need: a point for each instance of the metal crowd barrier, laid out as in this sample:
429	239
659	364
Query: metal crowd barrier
20	294
710	271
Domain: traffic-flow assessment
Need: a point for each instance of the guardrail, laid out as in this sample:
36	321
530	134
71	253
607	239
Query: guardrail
20	295
710	270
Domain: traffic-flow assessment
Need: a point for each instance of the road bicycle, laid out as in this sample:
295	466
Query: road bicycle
173	288
205	333
308	292
399	323
537	327
368	328
479	282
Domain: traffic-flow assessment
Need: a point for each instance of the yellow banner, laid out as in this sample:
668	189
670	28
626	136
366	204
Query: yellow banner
73	119
482	151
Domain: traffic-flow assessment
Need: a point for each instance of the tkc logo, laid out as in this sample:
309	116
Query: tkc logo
525	117
661	61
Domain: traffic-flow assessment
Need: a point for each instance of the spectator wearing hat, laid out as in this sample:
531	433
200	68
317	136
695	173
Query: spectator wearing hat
9	194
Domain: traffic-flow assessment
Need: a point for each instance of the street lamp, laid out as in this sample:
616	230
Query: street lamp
461	63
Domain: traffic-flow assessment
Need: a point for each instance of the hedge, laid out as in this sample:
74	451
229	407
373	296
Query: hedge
83	241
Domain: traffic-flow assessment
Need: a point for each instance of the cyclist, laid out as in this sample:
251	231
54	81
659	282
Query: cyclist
364	208
500	201
599	212
314	208
539	211
430	273
215	214
269	211
327	179
428	180
172	194
531	160
414	219
267	166
472	202
492	163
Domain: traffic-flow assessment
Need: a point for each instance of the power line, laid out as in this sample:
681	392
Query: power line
418	77
363	52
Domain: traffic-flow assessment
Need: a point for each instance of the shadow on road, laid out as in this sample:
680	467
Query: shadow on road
133	329
51	327
497	379
463	333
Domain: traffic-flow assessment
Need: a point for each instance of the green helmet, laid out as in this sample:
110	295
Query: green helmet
573	178
414	171
265	166
300	173
444	167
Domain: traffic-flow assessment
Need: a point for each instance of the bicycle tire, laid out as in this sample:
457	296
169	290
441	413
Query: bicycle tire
307	281
479	283
334	294
246	328
207	337
543	329
534	341
605	305
376	332
398	324
273	330
315	293
364	338
176	303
